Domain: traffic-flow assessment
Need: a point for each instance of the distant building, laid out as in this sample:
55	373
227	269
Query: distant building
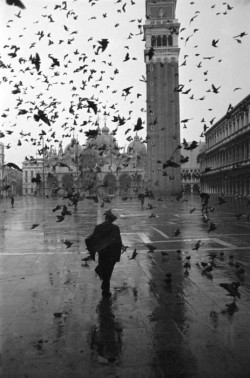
10	178
190	171
225	161
96	168
1	166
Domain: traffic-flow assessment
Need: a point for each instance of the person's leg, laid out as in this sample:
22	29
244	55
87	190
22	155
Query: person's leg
106	268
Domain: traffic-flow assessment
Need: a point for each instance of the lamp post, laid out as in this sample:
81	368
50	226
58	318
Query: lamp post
77	168
43	167
2	149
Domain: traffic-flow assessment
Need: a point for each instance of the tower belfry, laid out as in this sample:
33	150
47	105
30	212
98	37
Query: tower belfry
163	121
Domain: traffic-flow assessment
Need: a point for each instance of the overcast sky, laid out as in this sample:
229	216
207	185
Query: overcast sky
70	33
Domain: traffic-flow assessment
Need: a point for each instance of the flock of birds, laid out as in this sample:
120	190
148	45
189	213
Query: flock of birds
87	77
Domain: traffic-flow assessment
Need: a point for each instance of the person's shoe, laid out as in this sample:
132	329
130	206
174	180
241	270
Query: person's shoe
99	272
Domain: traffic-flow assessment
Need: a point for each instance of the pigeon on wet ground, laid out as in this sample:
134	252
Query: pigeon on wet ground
134	254
232	288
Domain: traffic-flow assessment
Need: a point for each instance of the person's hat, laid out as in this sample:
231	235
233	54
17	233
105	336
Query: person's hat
108	214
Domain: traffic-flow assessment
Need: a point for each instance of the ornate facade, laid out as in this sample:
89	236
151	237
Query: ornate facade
225	161
96	168
163	121
190	171
9	177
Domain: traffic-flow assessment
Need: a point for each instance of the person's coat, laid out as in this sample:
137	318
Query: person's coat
106	240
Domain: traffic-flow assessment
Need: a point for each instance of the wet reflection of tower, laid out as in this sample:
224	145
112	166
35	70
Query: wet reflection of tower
163	120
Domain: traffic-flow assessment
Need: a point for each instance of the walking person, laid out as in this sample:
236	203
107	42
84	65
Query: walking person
106	241
12	200
204	201
142	198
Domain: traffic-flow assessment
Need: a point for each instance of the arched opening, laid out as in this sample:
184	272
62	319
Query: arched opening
196	189
153	41
187	189
52	181
124	184
109	183
164	40
159	40
87	181
67	181
170	40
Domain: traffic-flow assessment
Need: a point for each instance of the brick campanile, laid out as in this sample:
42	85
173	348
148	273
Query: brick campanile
163	120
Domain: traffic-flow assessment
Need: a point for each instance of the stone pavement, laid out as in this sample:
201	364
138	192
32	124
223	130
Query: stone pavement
54	322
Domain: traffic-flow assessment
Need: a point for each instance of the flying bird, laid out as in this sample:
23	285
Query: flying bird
68	243
17	3
34	226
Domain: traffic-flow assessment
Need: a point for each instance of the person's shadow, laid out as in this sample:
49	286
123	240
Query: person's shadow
107	336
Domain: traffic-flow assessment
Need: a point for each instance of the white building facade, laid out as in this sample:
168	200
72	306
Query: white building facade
225	161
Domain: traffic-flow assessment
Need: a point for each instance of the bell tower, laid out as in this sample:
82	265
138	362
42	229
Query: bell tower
163	120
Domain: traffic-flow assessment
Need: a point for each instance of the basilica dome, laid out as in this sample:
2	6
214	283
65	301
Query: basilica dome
73	148
104	139
137	147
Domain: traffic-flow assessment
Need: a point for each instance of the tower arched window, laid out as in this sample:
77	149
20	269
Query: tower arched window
170	40
153	41
164	40
159	40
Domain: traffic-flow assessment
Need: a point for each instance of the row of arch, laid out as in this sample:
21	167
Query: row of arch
162	40
89	181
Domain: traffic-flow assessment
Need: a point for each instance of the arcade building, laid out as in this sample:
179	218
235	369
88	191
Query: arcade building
225	160
99	167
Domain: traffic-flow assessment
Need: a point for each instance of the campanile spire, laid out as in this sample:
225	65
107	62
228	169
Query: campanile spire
161	31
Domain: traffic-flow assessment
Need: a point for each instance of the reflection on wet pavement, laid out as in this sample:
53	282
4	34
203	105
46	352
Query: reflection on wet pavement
173	312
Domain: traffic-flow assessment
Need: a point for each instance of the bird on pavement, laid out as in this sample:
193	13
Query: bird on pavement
230	309
197	245
208	269
232	288
134	254
153	215
151	248
176	232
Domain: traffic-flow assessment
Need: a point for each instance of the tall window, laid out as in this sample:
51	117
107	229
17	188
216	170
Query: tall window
170	40
153	41
159	40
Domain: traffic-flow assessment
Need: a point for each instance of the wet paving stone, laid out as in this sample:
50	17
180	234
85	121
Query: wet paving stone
54	322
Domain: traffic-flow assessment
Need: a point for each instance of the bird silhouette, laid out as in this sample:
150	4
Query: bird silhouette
68	243
134	254
197	245
34	226
232	288
176	232
212	227
17	3
151	248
